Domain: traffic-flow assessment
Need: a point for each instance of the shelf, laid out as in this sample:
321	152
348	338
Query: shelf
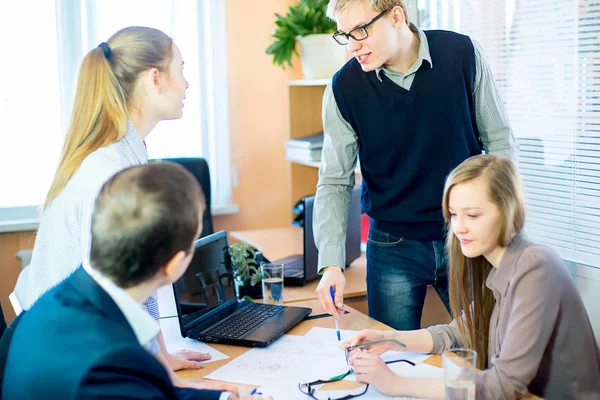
309	82
315	164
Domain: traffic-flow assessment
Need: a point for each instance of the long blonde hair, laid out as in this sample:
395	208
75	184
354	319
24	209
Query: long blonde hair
105	89
471	301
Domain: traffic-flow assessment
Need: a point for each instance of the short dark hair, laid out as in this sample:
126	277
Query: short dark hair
143	216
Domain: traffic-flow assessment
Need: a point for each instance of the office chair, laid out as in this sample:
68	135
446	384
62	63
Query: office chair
199	168
2	322
5	340
24	256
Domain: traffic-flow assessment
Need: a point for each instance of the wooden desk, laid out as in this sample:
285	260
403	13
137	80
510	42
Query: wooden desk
277	243
355	320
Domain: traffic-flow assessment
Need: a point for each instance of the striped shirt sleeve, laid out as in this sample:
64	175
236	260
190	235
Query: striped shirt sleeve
490	113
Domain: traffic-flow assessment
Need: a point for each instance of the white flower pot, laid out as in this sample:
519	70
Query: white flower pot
321	56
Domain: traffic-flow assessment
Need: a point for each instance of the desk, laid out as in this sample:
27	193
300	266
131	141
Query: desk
277	243
355	320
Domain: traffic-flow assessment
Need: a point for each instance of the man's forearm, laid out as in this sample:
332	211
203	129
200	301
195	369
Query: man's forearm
330	221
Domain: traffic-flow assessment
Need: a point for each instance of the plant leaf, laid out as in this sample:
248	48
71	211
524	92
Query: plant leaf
304	18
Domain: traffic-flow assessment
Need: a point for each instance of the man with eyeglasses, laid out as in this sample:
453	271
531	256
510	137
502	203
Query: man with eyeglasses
413	105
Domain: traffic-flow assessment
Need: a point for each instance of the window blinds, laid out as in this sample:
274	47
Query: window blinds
545	55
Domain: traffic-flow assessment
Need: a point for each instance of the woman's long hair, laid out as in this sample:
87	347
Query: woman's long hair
105	89
471	301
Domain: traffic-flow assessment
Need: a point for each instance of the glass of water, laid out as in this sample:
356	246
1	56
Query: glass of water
272	283
460	366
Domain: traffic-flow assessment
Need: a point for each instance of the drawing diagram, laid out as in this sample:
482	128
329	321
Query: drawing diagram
293	359
290	358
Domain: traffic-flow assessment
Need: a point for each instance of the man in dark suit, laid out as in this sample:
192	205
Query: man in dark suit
84	339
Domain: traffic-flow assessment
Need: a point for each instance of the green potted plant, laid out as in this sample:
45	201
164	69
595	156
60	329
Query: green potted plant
306	24
246	274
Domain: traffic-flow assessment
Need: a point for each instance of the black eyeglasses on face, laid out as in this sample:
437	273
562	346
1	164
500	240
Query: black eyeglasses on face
359	33
308	389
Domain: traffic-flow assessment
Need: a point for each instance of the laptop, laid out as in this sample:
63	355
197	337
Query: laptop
208	309
302	268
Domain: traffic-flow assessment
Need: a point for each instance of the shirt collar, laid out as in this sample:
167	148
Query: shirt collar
424	54
133	139
499	278
143	325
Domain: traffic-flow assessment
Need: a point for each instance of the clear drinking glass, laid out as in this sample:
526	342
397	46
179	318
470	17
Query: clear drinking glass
459	373
272	283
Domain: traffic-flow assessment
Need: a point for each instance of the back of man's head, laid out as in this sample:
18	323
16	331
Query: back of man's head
144	216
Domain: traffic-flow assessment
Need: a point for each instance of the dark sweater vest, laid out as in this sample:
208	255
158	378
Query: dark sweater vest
409	140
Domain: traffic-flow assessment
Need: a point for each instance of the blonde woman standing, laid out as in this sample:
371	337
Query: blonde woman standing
125	87
515	302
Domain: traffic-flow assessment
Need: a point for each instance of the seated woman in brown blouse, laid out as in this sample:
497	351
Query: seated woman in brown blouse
515	302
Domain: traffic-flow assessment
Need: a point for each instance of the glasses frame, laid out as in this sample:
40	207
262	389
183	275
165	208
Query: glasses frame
339	34
348	350
308	389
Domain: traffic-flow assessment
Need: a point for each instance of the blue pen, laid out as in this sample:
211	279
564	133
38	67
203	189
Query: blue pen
255	391
337	325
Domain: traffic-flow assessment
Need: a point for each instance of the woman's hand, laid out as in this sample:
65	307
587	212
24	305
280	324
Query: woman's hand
370	368
371	335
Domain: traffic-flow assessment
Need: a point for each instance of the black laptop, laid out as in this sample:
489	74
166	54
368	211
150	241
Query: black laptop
208	309
300	269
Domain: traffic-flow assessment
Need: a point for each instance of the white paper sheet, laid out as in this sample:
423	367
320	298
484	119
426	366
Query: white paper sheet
175	342
407	370
279	368
290	359
290	391
166	301
328	335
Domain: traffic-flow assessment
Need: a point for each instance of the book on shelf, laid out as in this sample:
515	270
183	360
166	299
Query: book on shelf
307	142
299	154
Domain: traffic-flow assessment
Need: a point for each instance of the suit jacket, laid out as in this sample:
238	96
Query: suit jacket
75	343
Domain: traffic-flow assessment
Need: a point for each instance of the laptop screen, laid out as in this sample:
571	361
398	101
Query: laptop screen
207	282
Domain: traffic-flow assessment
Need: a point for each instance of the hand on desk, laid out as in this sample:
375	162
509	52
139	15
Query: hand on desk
226	387
370	368
186	359
248	397
246	394
332	276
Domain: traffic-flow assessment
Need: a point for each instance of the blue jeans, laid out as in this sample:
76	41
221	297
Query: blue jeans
398	272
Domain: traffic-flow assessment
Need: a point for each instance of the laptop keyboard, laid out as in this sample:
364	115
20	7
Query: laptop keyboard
243	321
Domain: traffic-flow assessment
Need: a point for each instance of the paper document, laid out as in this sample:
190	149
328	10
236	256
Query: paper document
329	335
291	358
279	368
175	342
290	391
166	301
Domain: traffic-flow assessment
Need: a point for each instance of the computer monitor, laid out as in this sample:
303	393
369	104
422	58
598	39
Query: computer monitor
302	268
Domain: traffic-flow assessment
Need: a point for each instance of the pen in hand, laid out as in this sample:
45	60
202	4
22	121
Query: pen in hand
337	325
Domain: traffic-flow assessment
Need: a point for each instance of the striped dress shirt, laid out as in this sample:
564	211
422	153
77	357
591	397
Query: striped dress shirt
340	148
64	235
